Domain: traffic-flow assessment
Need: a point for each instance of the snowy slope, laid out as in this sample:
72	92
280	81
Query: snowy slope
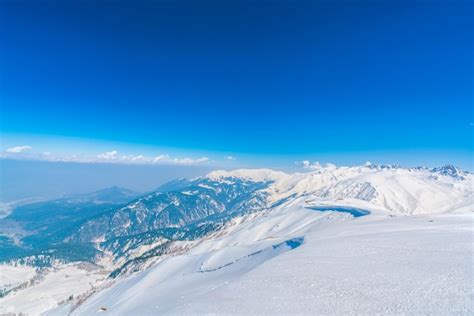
369	265
52	286
380	263
401	190
412	253
259	175
404	265
11	276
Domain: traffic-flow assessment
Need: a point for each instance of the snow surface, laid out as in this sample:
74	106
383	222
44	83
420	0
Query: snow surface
370	265
405	265
413	254
51	288
401	190
12	276
249	174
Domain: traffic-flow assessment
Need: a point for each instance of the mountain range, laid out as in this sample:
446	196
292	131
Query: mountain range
198	234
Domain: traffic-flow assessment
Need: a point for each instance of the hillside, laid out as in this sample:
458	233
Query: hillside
298	242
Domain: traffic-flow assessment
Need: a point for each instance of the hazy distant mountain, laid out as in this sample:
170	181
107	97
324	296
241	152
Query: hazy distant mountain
39	227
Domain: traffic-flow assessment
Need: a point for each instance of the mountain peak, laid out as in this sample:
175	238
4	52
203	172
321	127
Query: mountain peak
257	175
450	171
114	190
113	194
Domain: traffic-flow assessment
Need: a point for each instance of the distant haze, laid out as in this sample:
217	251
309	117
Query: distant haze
39	179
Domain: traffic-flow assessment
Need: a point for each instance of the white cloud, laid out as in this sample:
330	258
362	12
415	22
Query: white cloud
315	166
110	155
230	158
138	158
190	161
18	149
308	165
113	156
160	158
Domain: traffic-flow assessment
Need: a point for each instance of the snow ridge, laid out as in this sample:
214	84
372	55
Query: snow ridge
258	175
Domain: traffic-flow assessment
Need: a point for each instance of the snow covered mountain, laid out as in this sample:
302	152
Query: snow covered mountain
173	251
198	200
391	188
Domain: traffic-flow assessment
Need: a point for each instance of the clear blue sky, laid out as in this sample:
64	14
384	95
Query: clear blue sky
302	78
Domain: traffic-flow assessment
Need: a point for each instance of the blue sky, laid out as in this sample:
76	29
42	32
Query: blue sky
264	82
